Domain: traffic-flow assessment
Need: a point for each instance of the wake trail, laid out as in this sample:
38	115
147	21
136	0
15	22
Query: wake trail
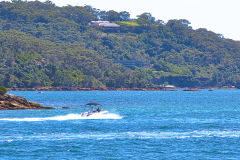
66	117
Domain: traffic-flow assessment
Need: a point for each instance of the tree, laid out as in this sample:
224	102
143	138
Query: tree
124	16
113	16
102	15
3	90
182	23
49	2
145	19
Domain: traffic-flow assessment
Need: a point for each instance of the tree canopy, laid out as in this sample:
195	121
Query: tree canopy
3	90
42	44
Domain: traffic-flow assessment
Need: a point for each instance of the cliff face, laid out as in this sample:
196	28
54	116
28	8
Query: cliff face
12	102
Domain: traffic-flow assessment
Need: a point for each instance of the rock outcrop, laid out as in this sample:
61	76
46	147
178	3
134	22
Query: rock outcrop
12	102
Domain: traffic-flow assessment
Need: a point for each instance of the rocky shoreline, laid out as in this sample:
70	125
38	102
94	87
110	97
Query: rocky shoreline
12	102
113	89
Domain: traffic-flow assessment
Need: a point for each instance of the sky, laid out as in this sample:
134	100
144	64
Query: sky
219	16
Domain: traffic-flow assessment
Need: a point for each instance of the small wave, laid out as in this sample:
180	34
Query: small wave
67	117
125	135
184	135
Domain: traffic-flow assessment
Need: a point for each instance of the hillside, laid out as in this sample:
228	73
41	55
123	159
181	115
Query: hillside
45	45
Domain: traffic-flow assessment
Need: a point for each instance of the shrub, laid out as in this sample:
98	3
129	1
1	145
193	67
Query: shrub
3	90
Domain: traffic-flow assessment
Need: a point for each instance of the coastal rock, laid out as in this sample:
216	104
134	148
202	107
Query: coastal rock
65	107
12	102
191	89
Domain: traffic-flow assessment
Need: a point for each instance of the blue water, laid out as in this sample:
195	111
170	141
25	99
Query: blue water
138	125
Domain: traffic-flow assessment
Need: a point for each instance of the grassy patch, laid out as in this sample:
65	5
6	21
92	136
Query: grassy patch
128	23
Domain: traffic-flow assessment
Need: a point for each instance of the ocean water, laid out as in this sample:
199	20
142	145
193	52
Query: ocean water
138	125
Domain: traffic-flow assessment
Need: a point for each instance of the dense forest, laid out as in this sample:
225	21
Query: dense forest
42	44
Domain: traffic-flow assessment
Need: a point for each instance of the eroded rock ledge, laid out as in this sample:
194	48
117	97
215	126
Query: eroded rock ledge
12	102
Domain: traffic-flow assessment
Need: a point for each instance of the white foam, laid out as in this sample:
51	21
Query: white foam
193	134
104	115
124	135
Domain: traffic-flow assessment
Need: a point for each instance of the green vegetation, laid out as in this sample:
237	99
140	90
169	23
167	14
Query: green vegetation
128	23
45	45
3	90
